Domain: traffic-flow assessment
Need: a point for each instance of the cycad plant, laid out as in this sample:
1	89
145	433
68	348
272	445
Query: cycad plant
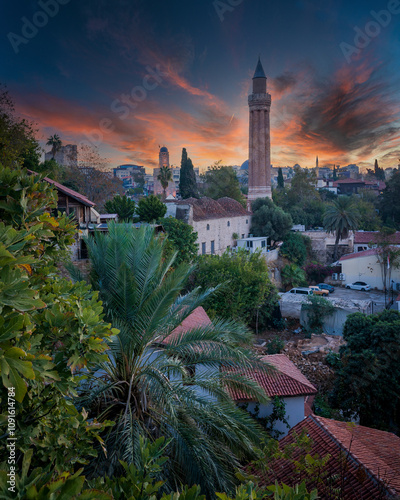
159	381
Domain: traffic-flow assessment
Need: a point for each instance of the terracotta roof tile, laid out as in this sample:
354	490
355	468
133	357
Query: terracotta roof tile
364	253
196	319
372	458
287	380
206	208
374	236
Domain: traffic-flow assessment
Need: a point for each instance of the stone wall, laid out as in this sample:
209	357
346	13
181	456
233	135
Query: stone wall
221	232
323	243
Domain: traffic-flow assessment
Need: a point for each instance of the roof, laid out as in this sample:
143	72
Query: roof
286	380
206	208
259	73
355	255
70	192
374	237
163	150
196	319
372	456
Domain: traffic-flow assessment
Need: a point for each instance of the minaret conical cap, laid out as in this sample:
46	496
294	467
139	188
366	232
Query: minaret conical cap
259	73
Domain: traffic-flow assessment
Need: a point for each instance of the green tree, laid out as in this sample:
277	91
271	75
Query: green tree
187	181
340	218
181	238
150	209
123	206
292	276
369	219
269	220
146	386
281	182
389	203
378	172
165	176
246	292
52	330
55	142
368	382
294	248
318	308
222	182
388	255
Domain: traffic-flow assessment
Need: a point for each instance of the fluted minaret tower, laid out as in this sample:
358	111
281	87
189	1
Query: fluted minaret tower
259	138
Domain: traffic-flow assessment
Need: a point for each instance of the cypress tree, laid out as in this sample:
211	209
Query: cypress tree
187	182
281	182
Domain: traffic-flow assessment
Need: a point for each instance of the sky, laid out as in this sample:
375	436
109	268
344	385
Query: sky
128	76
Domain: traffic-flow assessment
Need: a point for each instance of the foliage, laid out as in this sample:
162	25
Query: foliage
297	492
340	218
388	255
187	181
221	181
278	414
369	219
368	382
123	206
293	276
55	142
145	386
165	177
281	182
245	288
269	220
316	272
378	172
275	345
150	209
52	331
181	239
389	202
17	136
318	308
294	248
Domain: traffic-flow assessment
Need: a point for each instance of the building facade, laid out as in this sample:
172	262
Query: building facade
259	139
215	221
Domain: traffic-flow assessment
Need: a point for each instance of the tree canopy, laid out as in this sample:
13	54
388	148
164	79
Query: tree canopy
181	239
269	220
221	181
123	206
151	209
389	203
294	248
187	181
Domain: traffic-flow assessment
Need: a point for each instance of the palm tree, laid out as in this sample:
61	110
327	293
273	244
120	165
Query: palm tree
341	217
164	176
55	142
153	387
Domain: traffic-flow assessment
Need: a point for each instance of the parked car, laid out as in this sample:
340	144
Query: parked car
301	291
325	286
318	291
359	285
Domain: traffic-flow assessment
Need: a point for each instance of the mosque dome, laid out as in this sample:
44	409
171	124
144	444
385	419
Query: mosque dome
245	165
163	150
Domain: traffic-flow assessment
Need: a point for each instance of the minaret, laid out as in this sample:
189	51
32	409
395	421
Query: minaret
259	139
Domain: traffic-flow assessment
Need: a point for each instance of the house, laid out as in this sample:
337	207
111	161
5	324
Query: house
286	382
364	240
253	243
367	266
364	462
215	221
353	186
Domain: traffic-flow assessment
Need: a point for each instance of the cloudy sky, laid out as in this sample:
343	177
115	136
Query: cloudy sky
130	75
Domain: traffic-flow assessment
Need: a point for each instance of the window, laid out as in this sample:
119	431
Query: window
263	243
249	244
208	227
212	247
247	221
228	223
242	236
203	248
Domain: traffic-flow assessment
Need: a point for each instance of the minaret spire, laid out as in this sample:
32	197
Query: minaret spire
259	138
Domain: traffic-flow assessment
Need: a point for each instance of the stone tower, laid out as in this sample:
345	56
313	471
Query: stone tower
259	139
163	161
164	157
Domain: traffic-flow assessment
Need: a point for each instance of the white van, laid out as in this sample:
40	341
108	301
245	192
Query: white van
301	291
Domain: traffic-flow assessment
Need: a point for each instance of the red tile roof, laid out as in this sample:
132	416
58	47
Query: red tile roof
286	381
207	208
374	236
196	319
70	192
355	255
372	459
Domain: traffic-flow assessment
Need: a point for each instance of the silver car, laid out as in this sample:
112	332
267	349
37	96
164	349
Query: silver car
359	285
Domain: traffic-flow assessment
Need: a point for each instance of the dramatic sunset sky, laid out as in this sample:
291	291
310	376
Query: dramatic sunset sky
72	76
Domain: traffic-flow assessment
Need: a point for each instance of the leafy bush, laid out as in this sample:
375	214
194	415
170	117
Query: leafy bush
318	308
181	239
275	345
316	272
294	248
293	276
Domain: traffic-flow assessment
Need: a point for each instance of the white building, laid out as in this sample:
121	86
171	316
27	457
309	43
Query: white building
254	243
215	221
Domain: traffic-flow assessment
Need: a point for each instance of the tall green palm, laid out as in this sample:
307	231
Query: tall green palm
55	142
164	176
341	217
146	386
